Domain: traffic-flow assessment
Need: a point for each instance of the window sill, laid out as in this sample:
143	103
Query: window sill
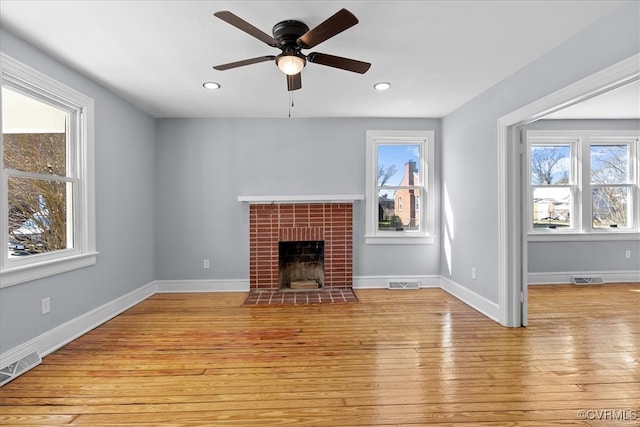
403	239
576	236
27	272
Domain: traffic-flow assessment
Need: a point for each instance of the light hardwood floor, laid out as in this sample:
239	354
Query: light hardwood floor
397	358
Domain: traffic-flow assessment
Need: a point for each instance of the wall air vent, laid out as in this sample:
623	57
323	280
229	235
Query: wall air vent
404	284
17	368
587	280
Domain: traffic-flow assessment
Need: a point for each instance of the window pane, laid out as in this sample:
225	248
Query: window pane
387	218
34	135
398	164
551	207
550	164
397	209
38	216
610	207
609	164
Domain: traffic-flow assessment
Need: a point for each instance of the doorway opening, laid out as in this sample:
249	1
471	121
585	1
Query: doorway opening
512	239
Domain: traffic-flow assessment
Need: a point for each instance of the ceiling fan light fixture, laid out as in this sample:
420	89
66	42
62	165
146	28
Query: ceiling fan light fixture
290	64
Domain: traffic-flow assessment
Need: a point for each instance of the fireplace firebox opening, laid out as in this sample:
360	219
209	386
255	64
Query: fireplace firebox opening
301	264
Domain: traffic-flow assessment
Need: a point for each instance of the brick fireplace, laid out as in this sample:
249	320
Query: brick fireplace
330	223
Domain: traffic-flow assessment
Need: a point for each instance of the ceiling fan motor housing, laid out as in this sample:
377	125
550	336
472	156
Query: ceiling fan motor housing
287	32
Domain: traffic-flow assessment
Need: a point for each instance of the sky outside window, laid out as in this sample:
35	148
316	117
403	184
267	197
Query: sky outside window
397	155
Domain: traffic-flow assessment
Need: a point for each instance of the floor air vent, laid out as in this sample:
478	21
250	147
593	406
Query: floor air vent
404	284
17	368
587	280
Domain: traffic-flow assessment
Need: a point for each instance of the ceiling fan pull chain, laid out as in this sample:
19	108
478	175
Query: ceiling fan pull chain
291	103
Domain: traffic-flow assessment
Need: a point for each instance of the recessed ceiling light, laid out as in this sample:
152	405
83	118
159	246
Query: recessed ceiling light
211	85
382	86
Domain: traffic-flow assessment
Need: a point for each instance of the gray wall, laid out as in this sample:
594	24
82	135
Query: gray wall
583	256
125	201
470	140
571	256
205	164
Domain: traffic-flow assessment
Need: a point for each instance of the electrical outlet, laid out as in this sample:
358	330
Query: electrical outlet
473	272
46	305
206	263
627	254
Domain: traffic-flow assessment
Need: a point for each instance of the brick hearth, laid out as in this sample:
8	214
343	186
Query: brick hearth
272	223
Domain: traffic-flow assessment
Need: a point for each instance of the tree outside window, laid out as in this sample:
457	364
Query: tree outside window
38	191
610	183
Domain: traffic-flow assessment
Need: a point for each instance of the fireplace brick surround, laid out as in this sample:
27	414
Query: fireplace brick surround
272	223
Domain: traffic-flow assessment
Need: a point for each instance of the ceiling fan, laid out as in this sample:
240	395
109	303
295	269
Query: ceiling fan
291	37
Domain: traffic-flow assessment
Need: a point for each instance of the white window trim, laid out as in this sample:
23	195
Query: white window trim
583	140
15	271
425	138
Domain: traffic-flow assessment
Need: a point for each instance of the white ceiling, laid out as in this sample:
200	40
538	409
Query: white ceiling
436	54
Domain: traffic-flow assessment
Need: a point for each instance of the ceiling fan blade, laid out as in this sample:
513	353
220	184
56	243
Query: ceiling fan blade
243	25
294	82
244	62
336	24
339	62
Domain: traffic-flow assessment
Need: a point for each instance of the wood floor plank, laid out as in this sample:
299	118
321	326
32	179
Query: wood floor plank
396	358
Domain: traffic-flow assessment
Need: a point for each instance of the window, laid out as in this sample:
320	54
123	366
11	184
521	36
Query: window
611	184
47	176
582	182
399	195
553	184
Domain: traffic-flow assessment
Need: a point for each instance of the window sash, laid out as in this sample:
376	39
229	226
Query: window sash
71	171
542	213
571	145
626	221
632	216
630	170
415	223
422	168
571	185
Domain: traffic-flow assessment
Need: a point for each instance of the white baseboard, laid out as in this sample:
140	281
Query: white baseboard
472	299
177	286
55	338
382	282
558	278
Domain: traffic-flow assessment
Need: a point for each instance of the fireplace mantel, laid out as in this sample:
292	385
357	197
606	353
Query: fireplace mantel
334	198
